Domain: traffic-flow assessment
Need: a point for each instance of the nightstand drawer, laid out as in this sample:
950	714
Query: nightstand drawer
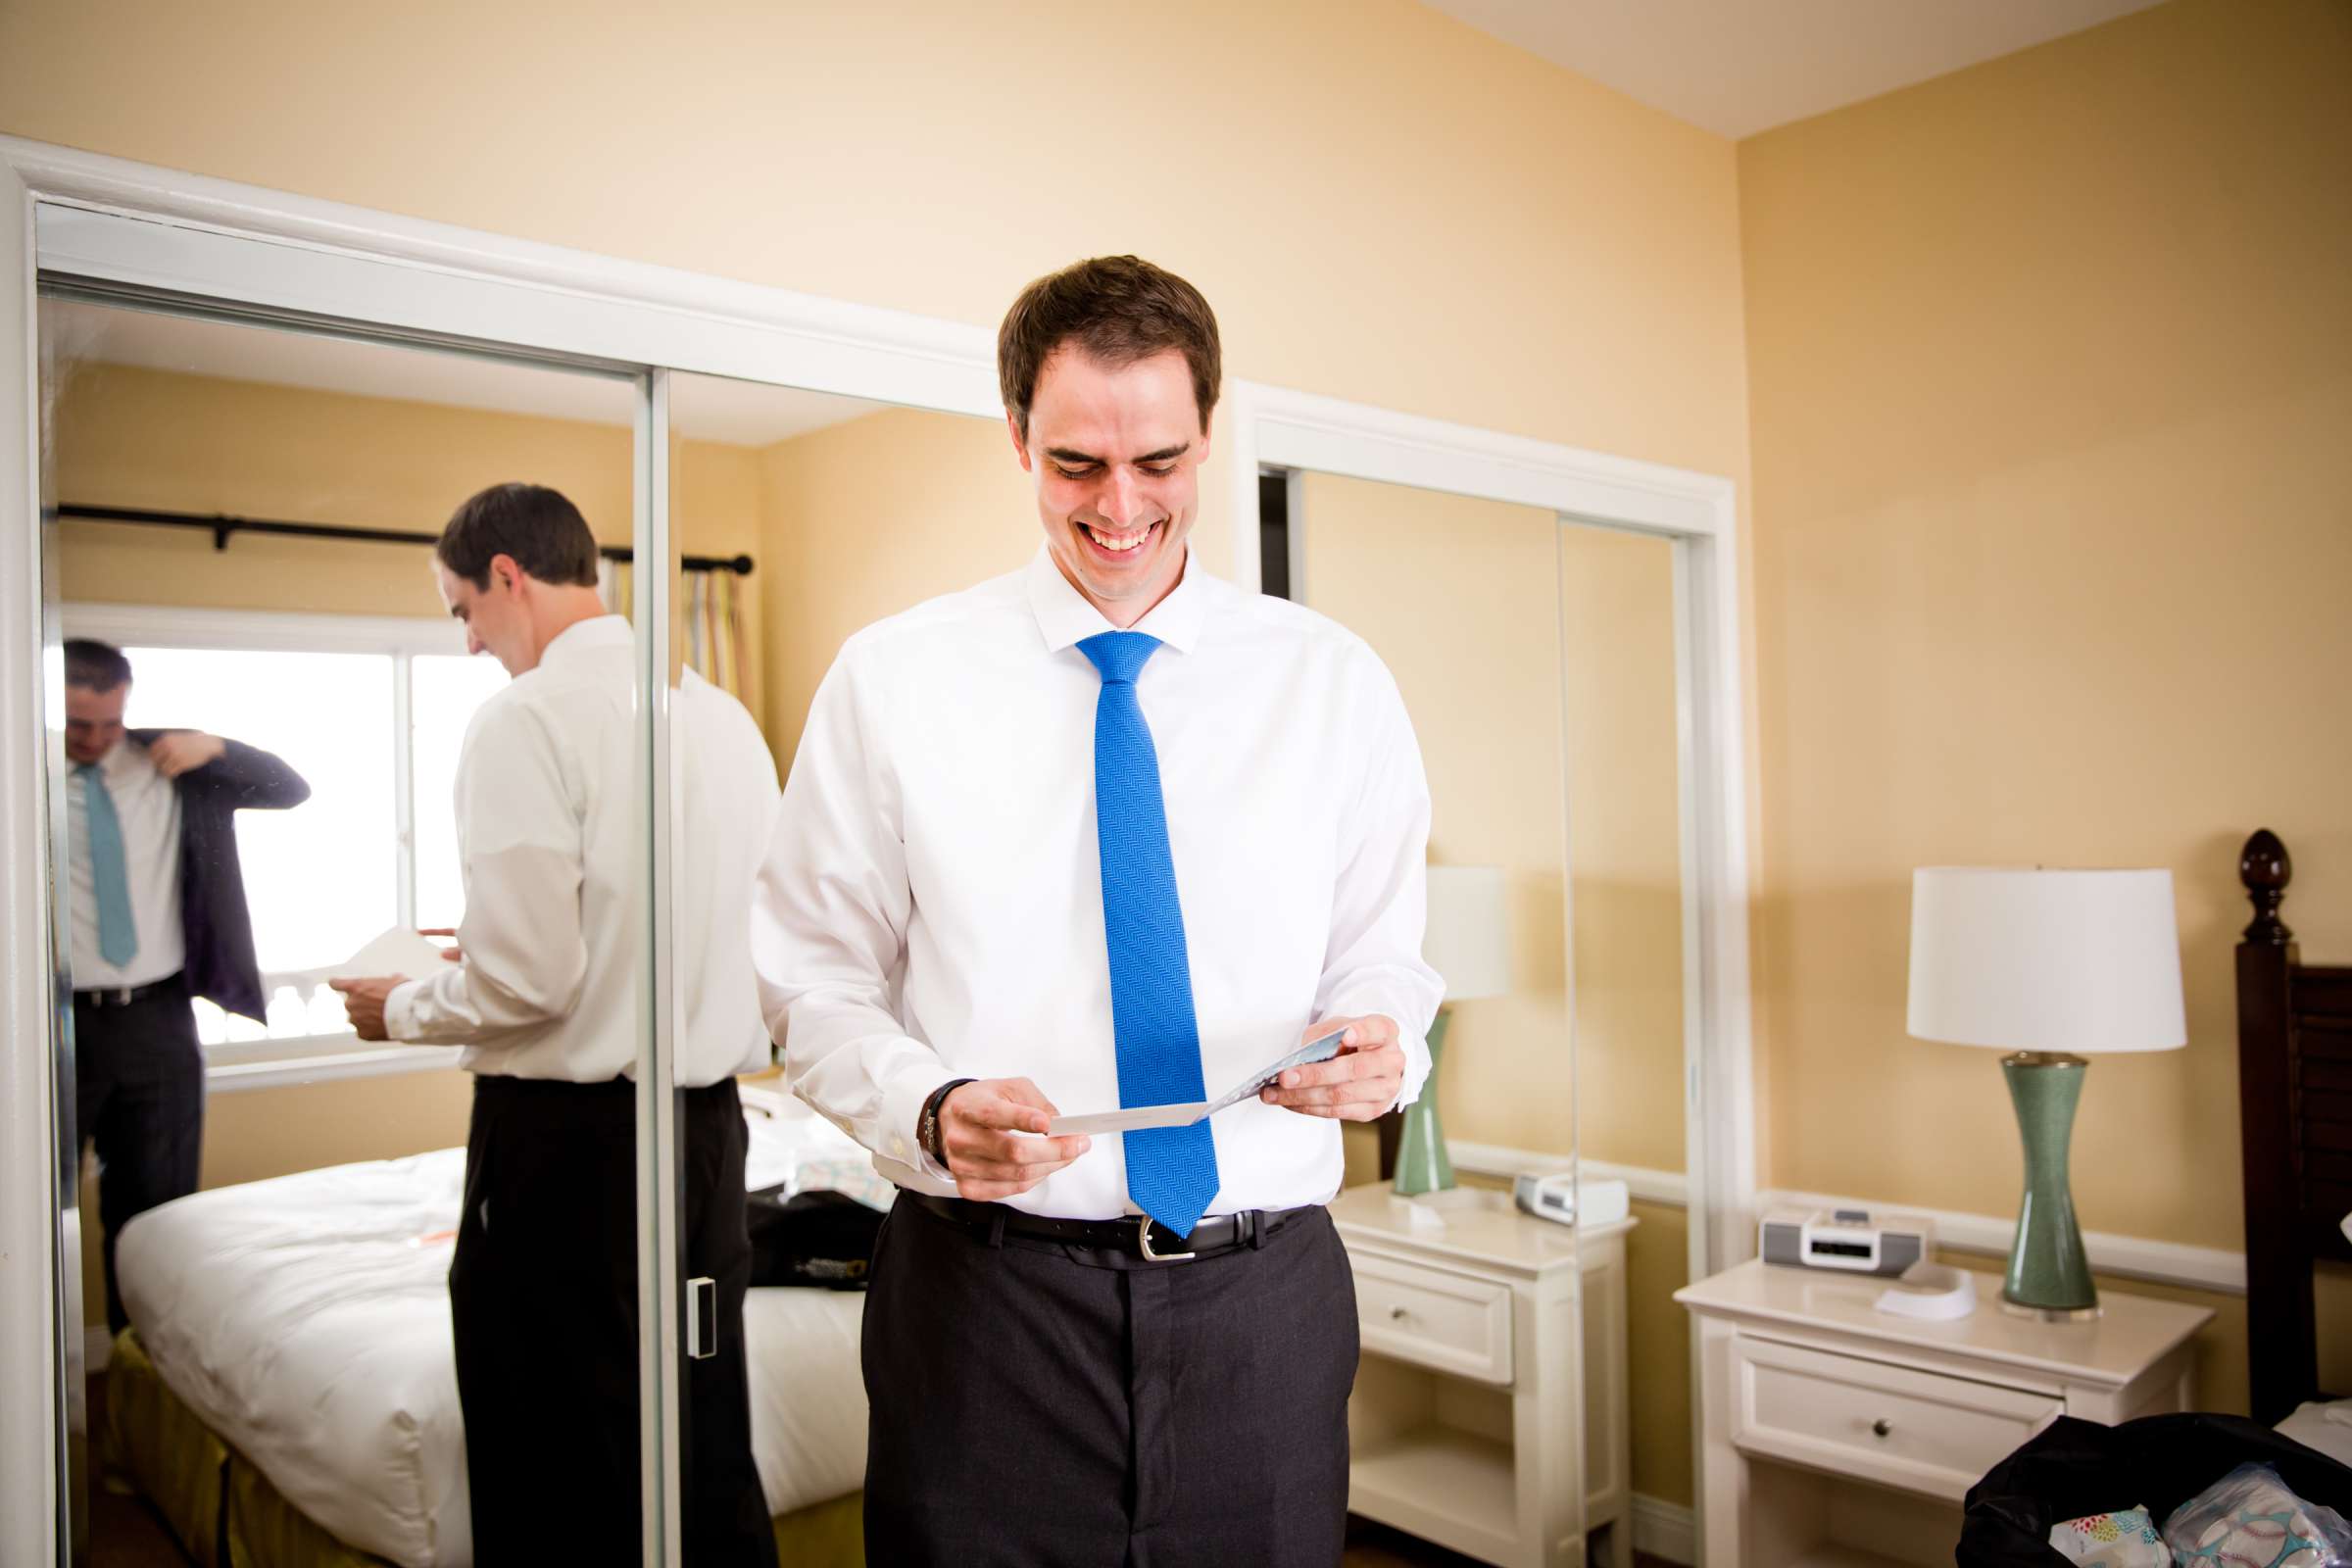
1920	1431
1448	1321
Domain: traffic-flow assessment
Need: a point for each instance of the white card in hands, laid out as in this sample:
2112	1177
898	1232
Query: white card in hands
1138	1117
399	951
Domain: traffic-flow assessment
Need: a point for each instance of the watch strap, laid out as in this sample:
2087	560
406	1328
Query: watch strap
927	1128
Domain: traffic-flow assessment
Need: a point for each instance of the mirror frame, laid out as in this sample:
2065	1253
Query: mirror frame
1274	428
107	220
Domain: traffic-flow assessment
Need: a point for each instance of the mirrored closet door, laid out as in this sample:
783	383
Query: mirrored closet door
797	519
349	850
1504	1443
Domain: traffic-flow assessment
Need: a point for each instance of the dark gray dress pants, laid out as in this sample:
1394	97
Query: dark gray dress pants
139	1093
1034	1407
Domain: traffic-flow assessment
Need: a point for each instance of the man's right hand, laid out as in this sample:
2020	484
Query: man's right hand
984	1129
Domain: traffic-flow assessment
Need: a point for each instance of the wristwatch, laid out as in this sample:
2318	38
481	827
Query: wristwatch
926	1127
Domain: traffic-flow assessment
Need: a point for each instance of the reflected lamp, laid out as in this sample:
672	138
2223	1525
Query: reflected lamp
1468	943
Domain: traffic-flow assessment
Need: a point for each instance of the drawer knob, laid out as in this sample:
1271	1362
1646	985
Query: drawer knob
1397	1314
1880	1427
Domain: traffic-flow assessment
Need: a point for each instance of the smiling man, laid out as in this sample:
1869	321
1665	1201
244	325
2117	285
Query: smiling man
1104	832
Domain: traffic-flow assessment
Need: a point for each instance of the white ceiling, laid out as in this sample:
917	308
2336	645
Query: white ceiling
1738	67
702	407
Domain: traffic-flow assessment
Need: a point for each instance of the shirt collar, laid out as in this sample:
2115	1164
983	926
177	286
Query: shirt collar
124	761
1066	618
582	636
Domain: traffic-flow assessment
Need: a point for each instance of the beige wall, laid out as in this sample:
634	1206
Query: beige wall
2051	367
867	518
1524	250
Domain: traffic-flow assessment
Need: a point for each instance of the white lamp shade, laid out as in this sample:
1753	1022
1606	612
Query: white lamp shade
2078	961
1469	938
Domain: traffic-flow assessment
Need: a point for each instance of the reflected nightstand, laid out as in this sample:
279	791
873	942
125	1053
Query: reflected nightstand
1461	1424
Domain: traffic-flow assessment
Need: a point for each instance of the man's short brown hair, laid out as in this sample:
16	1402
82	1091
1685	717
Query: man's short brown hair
540	528
1117	309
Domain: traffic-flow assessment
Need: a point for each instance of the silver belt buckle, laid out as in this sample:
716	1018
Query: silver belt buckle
1142	1240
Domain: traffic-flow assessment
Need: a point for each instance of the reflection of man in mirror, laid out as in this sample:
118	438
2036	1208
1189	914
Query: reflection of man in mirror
1104	832
543	1287
159	916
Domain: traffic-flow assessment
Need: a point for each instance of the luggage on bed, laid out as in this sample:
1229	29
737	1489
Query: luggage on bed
819	1238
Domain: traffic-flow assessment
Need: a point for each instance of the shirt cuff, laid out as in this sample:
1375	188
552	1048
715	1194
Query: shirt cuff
902	1114
400	1010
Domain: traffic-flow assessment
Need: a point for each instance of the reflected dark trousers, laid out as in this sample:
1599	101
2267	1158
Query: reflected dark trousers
1032	1407
138	1091
543	1298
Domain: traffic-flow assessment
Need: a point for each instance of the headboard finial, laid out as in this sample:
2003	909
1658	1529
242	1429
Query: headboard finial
2266	869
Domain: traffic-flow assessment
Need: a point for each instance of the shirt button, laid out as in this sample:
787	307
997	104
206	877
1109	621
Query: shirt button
898	1145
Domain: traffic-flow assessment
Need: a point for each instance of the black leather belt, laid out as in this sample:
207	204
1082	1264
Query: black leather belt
124	996
1135	1235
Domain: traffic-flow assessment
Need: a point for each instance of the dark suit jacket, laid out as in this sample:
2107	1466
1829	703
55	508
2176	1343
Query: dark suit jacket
212	917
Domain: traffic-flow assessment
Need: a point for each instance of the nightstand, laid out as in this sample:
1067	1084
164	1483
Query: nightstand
1461	1428
1836	1435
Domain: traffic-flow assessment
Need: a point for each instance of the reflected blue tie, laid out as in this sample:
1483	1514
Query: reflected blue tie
109	880
1171	1171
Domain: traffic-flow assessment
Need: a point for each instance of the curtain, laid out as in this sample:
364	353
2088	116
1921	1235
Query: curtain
714	628
711	608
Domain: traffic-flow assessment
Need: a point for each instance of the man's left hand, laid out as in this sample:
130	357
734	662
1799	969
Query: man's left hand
364	1000
183	751
1359	1084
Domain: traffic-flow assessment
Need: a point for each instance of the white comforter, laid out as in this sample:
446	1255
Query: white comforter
305	1320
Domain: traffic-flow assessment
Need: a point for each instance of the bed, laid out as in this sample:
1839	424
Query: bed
2294	1062
289	1399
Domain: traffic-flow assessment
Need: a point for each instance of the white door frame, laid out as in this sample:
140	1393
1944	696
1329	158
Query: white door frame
1275	427
203	239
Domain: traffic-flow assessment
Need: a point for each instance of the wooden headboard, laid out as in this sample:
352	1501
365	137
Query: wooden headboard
2294	1089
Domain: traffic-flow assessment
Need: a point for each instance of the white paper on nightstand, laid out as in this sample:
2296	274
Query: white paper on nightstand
1136	1119
397	950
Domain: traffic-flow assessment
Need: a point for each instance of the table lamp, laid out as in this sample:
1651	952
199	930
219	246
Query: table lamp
2051	966
1469	943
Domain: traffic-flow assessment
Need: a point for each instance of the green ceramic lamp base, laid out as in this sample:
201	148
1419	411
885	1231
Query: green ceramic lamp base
1421	1162
2049	1277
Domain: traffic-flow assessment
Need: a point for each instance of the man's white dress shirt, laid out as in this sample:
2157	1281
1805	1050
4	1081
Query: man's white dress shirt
147	804
932	903
550	849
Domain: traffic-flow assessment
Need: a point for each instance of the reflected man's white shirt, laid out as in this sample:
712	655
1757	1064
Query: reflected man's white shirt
147	805
931	906
548	839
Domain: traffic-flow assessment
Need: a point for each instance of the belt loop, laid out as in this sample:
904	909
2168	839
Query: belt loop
996	1229
1256	1224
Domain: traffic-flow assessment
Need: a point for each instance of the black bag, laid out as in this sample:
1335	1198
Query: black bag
815	1237
2073	1468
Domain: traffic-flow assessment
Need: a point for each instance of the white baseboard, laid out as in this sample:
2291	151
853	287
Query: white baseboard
97	1349
1667	1531
2138	1257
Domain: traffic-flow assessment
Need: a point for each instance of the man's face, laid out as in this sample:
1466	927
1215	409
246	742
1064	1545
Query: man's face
493	615
1116	452
93	721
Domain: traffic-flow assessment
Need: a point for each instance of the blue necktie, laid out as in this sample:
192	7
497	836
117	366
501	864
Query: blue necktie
1171	1171
110	881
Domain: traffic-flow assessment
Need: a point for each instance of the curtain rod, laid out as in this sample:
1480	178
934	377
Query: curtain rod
220	526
